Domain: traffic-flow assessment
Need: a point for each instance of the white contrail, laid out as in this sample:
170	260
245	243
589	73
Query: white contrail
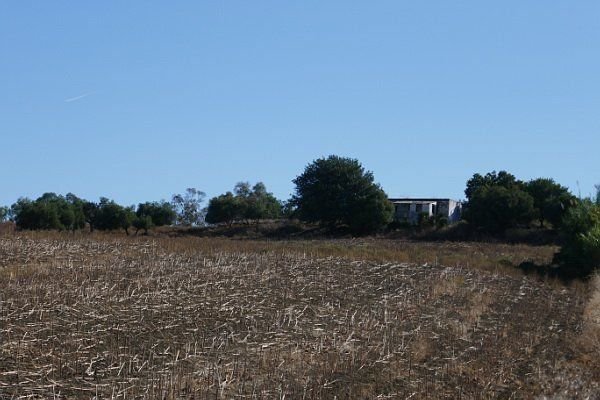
78	97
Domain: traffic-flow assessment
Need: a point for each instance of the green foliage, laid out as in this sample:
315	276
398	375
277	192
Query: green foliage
580	254
90	213
50	211
502	178
160	213
224	208
580	219
550	200
288	209
257	203
142	222
590	244
188	207
4	213
337	190
77	205
497	201
497	208
246	203
109	215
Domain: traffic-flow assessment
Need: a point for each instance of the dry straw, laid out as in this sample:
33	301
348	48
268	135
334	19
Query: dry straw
111	317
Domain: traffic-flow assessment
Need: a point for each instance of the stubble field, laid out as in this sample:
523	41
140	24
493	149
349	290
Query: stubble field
94	316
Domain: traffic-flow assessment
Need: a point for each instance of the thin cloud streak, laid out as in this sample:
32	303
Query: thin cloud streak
69	100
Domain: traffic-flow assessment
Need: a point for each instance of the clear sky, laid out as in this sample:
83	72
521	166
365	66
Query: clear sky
137	100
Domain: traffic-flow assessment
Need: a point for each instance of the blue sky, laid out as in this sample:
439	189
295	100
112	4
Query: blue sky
138	100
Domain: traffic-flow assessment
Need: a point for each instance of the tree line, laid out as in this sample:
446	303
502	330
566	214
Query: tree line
70	212
337	191
499	201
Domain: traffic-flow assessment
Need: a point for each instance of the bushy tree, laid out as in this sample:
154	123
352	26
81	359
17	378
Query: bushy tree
245	203
142	222
497	208
27	214
579	255
225	208
497	201
50	211
188	207
502	178
160	213
112	216
337	190
256	203
551	200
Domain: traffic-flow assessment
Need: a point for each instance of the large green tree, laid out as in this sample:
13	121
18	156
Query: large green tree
502	178
337	190
497	201
551	200
225	208
497	208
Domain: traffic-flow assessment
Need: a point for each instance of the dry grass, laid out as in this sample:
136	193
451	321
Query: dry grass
590	339
101	316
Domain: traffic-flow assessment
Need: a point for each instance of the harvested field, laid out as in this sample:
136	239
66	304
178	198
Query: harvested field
113	317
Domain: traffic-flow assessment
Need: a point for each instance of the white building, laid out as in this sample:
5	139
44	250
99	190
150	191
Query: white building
409	209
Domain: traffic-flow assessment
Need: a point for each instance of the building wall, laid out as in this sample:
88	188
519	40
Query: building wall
408	210
454	211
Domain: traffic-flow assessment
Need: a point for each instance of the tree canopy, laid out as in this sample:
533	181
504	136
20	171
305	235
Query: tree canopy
56	212
245	203
111	216
551	200
188	207
579	255
160	213
225	208
497	208
337	190
497	201
49	211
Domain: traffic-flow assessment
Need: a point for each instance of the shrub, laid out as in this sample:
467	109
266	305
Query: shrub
580	254
441	221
